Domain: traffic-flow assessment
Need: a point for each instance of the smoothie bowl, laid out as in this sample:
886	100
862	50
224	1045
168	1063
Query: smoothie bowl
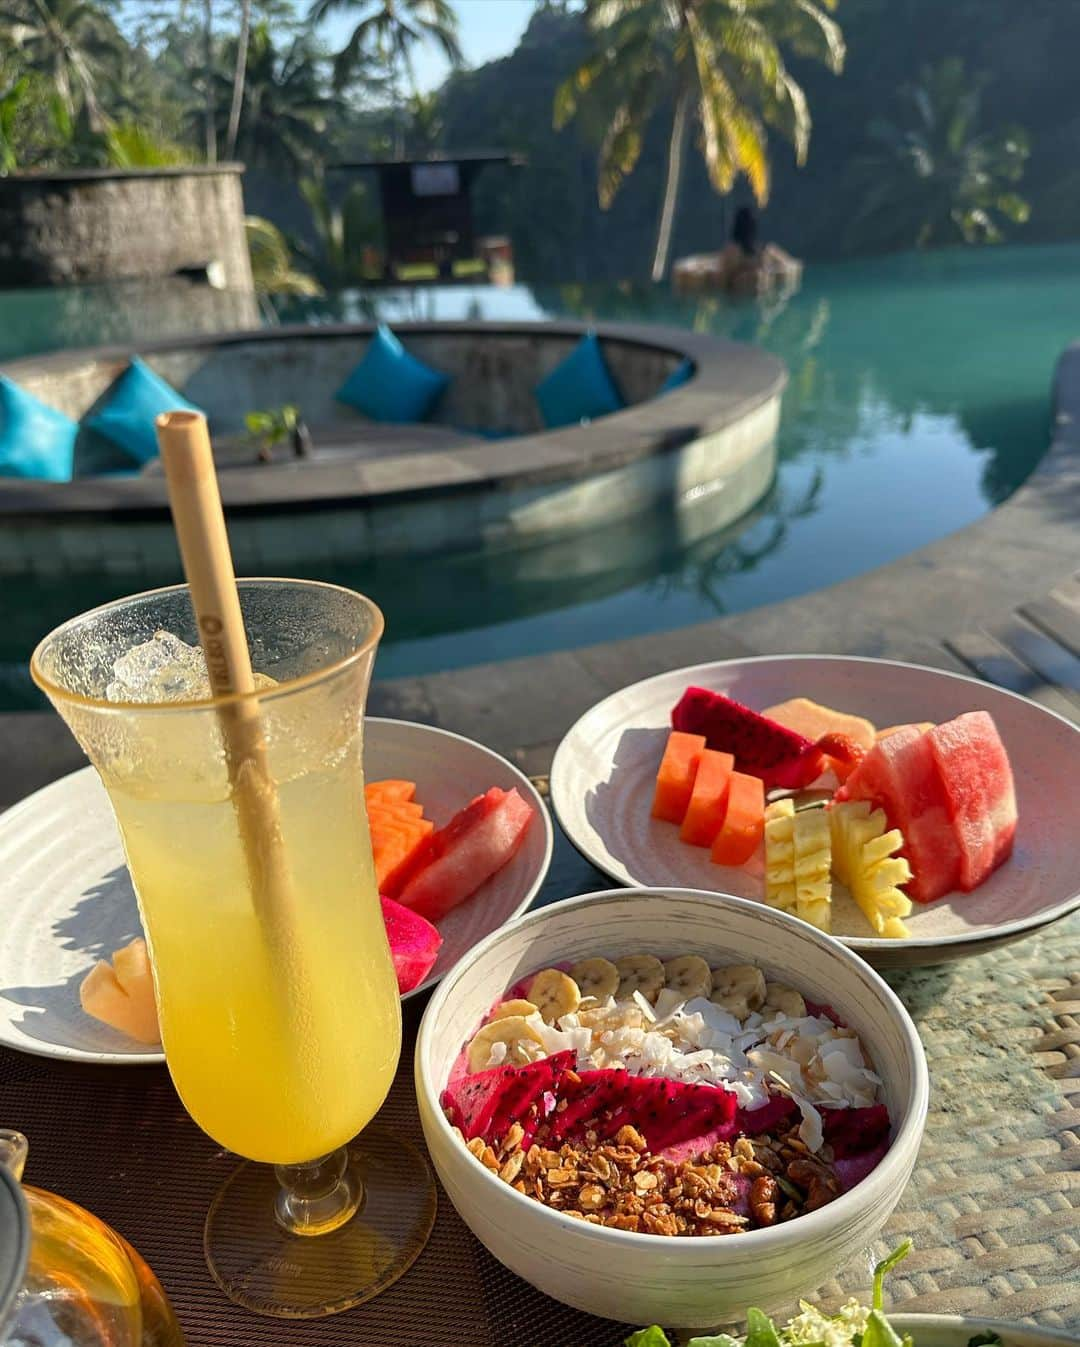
665	1105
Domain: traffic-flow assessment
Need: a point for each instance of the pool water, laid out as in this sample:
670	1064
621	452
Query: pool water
919	398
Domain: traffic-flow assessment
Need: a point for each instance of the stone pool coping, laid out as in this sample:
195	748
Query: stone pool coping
730	380
902	611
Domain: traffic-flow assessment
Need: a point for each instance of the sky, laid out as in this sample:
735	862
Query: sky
488	29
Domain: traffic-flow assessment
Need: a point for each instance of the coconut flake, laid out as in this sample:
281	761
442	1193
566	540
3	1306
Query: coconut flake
810	1129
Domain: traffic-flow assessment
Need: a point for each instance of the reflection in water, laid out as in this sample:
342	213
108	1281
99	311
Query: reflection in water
918	398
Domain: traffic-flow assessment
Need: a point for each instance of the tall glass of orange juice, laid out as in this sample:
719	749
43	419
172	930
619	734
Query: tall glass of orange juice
282	1036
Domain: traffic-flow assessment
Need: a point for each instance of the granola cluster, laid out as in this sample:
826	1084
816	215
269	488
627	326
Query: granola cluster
749	1185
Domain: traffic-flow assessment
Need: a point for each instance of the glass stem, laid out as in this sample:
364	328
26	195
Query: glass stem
319	1196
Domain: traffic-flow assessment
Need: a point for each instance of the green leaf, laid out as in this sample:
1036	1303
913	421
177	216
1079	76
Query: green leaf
717	1340
879	1332
885	1267
760	1330
648	1337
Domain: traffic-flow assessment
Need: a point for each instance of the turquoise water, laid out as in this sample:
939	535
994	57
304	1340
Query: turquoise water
919	398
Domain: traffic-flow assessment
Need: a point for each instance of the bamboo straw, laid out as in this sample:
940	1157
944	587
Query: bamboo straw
204	549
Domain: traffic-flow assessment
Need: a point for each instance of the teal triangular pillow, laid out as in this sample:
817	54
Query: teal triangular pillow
681	374
579	388
35	440
127	415
389	384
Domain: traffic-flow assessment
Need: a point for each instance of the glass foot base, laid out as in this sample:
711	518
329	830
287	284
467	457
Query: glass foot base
262	1266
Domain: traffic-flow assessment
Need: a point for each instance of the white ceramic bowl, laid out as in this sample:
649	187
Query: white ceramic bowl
646	1279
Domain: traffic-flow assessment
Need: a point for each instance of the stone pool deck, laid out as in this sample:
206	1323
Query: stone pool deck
908	610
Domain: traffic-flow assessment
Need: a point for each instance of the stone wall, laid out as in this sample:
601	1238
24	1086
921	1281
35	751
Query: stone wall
94	225
494	372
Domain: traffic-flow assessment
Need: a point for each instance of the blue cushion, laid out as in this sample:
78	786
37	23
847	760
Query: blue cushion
682	372
579	387
127	415
35	440
389	384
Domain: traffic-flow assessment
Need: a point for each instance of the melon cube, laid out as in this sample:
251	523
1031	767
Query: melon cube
121	994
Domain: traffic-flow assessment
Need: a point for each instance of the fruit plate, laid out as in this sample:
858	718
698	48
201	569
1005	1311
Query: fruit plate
604	772
67	899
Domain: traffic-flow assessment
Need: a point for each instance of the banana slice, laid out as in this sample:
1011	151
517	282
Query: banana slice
739	989
781	999
554	994
596	977
689	975
516	1007
515	1031
642	973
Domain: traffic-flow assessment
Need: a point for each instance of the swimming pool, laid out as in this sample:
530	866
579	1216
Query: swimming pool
919	398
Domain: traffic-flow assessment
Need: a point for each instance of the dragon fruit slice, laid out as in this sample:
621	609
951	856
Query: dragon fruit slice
752	1122
852	1131
594	1092
485	1103
665	1112
414	944
762	747
859	1138
520	1099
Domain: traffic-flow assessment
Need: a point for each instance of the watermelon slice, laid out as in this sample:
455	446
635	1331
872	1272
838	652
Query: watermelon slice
979	793
762	748
900	776
414	944
454	862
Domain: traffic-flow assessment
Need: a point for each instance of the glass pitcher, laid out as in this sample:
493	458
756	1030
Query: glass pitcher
66	1279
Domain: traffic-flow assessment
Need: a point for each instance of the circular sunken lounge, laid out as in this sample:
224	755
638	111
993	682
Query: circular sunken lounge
482	470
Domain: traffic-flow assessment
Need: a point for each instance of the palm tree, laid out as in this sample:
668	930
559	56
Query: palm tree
935	177
386	34
285	108
208	78
69	41
717	62
239	71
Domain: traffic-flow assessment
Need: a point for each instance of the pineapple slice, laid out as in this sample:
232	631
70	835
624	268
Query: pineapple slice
797	862
864	860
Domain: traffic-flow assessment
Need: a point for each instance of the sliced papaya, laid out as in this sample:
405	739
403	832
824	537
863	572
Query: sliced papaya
708	800
675	779
744	821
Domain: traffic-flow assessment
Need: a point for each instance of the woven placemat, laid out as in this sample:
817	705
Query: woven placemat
992	1206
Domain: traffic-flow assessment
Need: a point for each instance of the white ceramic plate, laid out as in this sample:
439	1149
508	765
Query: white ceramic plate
67	900
957	1330
605	768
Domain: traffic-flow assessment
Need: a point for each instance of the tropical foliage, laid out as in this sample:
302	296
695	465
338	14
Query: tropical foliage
272	266
657	101
717	63
937	176
286	107
386	34
71	42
